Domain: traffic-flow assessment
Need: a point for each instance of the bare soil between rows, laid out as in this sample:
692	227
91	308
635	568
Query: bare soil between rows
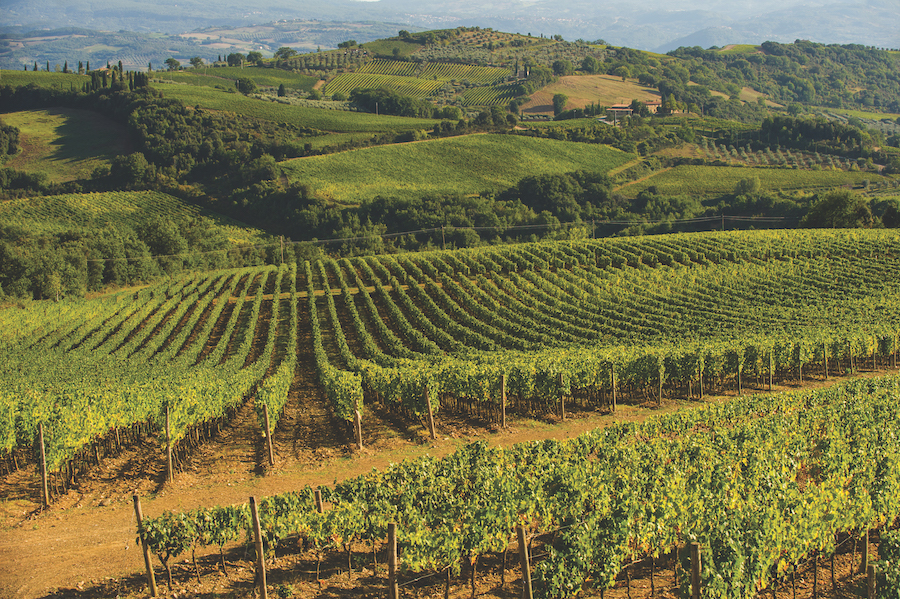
84	544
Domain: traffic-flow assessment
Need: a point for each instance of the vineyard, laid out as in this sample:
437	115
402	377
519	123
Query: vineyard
407	86
95	210
536	329
423	79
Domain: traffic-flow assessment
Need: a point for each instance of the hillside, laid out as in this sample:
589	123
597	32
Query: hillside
634	321
306	266
650	26
474	164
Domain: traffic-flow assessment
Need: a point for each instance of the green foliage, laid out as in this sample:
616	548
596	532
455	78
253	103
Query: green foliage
802	72
245	85
889	565
443	167
711	181
559	103
839	209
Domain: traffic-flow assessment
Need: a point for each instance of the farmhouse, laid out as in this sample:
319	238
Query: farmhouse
619	110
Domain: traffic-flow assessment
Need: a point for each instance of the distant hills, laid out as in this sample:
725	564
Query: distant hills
653	25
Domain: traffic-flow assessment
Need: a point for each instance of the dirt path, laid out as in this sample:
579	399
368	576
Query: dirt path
87	537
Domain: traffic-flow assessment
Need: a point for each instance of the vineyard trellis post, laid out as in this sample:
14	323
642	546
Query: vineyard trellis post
393	589
357	425
695	570
825	356
864	557
260	556
45	496
269	436
871	590
612	376
425	394
562	399
170	472
151	578
318	497
503	401
526	567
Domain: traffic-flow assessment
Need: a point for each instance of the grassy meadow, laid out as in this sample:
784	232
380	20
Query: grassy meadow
713	181
90	211
65	143
327	120
584	90
464	165
225	77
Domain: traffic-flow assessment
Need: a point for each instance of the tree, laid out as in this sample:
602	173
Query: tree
562	67
590	64
622	71
559	103
196	62
281	91
245	85
255	57
839	209
172	64
747	187
283	53
236	59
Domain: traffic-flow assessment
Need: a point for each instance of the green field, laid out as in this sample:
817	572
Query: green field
711	181
406	86
225	77
465	165
326	120
65	143
43	79
740	49
84	212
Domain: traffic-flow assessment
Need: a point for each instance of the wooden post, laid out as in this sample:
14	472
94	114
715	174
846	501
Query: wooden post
357	422
700	376
170	472
612	376
562	399
864	557
740	389
695	571
526	568
430	413
771	368
659	397
870	582
393	589
45	497
503	401
825	354
151	578
318	495
260	557
269	436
